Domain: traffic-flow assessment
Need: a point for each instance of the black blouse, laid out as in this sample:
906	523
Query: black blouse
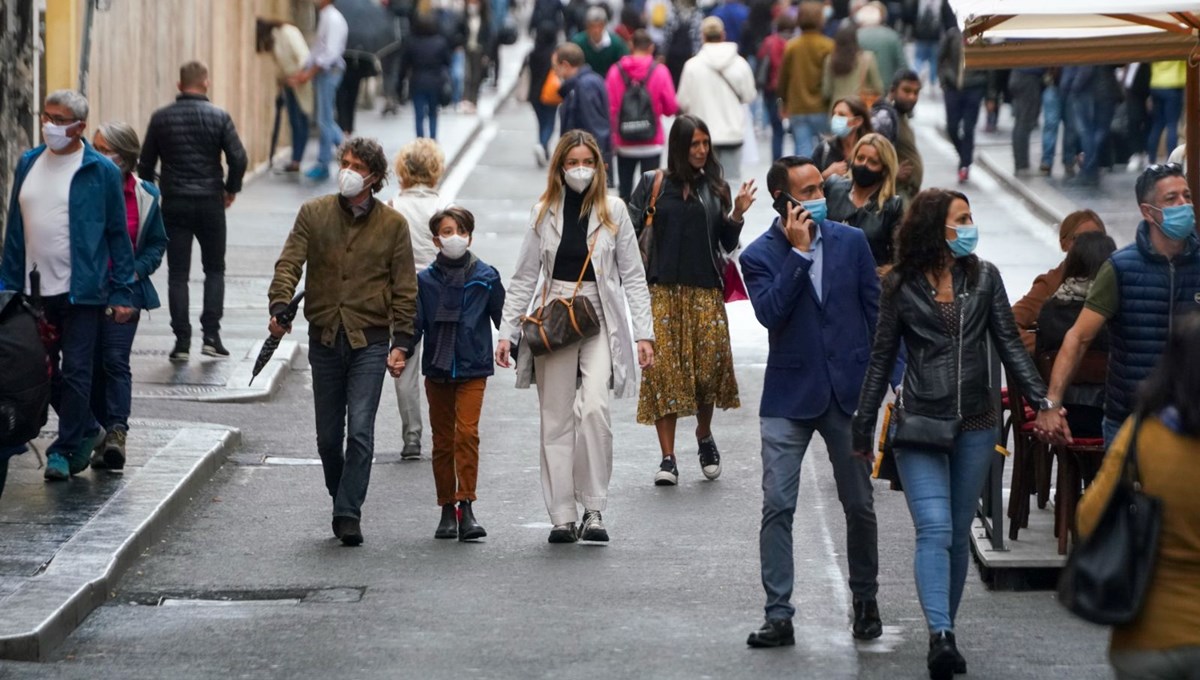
573	249
684	245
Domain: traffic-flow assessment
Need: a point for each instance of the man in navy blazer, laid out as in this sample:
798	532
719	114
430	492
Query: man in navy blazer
813	285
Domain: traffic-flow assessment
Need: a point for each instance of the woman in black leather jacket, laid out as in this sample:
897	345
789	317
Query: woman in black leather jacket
695	219
944	303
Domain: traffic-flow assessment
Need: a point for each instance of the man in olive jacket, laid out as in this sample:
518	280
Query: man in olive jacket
360	303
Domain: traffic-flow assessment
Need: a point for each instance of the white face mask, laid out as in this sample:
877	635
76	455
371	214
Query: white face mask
580	178
56	136
116	159
454	246
350	183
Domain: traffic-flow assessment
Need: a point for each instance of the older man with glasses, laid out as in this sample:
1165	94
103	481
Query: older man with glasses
66	220
1139	293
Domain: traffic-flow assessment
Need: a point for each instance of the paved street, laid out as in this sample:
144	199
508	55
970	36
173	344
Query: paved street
672	596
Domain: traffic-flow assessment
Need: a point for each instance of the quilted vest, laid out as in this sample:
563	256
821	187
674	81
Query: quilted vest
1153	292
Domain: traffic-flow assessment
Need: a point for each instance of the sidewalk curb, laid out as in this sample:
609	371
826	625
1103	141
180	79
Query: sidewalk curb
237	388
37	617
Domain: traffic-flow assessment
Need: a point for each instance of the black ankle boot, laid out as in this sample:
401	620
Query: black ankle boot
943	656
448	527
468	528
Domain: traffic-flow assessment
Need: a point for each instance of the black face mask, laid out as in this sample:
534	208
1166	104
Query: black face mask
864	176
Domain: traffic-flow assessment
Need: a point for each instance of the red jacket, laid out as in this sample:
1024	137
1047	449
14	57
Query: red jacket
660	86
772	48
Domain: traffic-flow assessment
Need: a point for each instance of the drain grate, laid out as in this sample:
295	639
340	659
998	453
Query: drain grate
229	598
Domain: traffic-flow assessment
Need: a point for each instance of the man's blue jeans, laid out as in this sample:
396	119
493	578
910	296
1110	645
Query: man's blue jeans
771	107
942	493
784	442
72	358
425	106
298	122
326	85
925	58
346	387
806	128
1056	111
545	118
962	116
458	74
112	380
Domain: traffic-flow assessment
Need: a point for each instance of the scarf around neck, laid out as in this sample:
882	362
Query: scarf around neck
449	311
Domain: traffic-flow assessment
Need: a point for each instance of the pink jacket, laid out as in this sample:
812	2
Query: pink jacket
662	94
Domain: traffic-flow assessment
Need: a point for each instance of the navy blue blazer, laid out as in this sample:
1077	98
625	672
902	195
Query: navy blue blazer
819	349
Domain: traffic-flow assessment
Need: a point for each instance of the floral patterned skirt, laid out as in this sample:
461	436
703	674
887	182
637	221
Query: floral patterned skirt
693	363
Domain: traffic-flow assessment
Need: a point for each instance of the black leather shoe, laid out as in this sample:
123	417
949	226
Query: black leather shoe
337	527
448	527
867	625
351	532
468	528
943	656
774	633
960	664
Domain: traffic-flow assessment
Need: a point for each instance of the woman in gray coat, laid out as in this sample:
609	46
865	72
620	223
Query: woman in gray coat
575	215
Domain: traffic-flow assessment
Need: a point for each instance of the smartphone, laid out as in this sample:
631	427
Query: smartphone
783	203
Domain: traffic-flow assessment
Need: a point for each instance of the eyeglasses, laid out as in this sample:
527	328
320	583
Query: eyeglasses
58	120
1163	169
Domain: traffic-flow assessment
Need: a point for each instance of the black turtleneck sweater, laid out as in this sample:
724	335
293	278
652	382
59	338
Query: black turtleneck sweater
573	249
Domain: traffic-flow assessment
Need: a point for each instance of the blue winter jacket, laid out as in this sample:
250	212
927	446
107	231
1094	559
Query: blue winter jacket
585	107
483	301
98	233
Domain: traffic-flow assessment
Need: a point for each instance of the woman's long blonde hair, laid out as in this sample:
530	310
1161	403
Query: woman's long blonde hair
595	200
887	158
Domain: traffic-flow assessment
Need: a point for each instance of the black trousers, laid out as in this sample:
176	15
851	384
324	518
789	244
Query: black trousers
202	219
628	172
347	93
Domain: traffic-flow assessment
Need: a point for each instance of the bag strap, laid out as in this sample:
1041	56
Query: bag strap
655	190
586	261
1130	474
962	318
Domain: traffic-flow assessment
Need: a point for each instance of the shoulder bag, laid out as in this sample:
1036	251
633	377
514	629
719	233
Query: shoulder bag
931	433
561	322
646	237
1107	575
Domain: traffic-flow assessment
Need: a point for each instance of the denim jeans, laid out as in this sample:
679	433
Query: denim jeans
1026	91
330	135
784	442
298	122
1056	111
346	387
926	57
942	492
1093	118
202	219
546	119
425	105
112	381
962	116
71	360
630	170
1168	107
458	74
771	107
806	128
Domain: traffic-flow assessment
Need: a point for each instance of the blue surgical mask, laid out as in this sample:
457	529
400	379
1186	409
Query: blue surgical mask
839	126
816	208
1178	221
968	238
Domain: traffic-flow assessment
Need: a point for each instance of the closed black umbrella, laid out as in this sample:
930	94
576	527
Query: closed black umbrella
284	319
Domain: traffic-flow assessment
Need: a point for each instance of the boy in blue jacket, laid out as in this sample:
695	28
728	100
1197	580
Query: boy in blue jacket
459	297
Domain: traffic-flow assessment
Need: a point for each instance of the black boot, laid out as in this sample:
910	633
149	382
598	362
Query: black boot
448	527
468	528
943	656
867	625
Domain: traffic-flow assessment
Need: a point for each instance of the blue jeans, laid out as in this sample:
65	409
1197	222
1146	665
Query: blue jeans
112	381
425	105
1168	107
942	493
1093	118
806	128
925	57
962	116
1110	427
1056	111
771	108
298	122
71	359
346	387
784	442
458	74
545	119
326	85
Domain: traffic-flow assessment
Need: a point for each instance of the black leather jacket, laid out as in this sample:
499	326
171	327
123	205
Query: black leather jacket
190	136
723	232
931	379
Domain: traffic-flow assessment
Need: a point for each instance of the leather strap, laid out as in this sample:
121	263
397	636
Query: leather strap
655	189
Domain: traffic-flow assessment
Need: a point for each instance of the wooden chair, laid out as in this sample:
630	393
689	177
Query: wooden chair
1027	452
1079	460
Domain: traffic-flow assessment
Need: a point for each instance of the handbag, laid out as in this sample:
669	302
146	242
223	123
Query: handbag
646	236
1107	574
734	288
550	95
523	82
561	322
931	433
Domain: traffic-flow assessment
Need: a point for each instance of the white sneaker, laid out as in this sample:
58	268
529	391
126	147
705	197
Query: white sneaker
668	472
593	527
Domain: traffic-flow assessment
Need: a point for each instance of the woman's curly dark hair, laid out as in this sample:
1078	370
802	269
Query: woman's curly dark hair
921	240
371	154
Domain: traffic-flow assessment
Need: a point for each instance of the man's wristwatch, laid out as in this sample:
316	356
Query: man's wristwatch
1048	404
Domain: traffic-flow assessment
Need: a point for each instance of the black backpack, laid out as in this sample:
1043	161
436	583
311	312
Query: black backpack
24	375
636	121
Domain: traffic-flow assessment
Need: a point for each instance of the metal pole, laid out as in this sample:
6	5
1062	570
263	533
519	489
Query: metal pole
1192	141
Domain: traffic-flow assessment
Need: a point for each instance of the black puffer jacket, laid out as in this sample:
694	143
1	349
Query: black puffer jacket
190	136
931	379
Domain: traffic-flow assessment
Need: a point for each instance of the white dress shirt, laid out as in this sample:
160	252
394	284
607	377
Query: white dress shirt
332	32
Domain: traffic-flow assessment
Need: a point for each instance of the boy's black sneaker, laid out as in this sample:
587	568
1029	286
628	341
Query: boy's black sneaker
668	472
213	348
